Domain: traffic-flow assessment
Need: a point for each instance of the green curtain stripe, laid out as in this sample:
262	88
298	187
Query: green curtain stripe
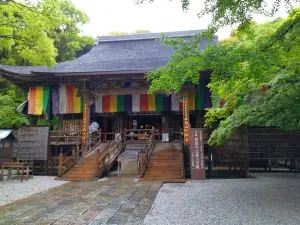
46	95
120	103
81	105
200	95
159	102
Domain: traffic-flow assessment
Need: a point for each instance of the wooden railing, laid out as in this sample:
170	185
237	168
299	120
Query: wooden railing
108	136
66	136
144	155
95	141
137	134
67	162
108	156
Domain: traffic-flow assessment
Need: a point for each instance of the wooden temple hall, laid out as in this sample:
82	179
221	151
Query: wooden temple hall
106	116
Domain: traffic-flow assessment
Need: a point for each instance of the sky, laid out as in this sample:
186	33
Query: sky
160	16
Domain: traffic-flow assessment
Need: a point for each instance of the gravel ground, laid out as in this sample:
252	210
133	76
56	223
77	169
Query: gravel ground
13	190
269	199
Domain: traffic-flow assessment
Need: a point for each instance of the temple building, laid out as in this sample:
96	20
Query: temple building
108	86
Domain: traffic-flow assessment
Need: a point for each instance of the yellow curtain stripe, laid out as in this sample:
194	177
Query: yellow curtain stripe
77	100
191	101
151	102
39	100
113	103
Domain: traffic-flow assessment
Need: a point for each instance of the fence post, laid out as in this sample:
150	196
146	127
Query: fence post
60	161
100	136
182	165
141	157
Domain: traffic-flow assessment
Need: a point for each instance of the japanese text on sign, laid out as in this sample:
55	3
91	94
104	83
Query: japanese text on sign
186	121
84	123
197	154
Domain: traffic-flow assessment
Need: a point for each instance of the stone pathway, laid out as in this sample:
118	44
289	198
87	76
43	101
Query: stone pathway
13	190
111	201
271	199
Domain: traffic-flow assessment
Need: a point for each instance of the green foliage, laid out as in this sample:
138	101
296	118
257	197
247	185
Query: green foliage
42	33
229	12
10	98
273	59
23	36
66	35
141	32
183	67
241	66
117	33
36	34
54	122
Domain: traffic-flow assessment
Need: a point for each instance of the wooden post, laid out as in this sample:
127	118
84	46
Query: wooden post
100	136
182	165
60	161
141	156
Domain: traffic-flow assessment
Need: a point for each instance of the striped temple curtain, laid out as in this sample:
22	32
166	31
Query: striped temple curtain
69	102
141	103
38	100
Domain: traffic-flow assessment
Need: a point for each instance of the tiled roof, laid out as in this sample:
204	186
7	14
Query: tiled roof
139	52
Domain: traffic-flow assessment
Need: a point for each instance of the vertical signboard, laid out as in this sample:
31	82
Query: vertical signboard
186	123
84	123
197	154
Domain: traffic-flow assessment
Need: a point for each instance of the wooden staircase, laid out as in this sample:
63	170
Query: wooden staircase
165	164
85	170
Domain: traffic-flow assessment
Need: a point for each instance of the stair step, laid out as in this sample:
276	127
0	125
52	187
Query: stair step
166	180
162	178
80	179
159	173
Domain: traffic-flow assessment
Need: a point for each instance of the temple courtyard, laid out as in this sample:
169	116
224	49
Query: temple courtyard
264	199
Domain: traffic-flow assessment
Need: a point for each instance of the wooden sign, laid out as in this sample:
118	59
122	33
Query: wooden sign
186	122
197	154
84	123
33	142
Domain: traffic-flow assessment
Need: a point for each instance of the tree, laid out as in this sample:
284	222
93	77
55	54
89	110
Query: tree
10	97
23	36
42	33
242	67
117	33
66	35
141	32
36	34
236	12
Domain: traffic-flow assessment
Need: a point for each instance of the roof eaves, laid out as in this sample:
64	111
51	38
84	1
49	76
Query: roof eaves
116	72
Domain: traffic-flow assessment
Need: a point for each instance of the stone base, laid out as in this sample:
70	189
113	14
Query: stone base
129	167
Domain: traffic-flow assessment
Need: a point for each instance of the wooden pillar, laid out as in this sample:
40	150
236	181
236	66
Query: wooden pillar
60	161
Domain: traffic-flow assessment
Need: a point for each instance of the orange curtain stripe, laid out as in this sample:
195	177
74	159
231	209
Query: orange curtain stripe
31	100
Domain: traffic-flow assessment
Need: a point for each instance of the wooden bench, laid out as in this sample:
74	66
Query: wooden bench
11	165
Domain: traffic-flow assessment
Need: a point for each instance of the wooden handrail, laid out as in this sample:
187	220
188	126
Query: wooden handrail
106	158
72	160
144	155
